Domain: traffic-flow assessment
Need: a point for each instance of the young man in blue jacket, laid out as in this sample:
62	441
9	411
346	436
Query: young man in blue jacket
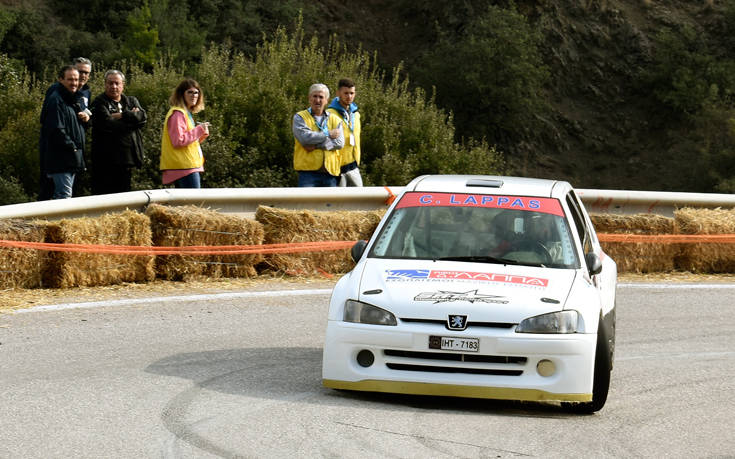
346	109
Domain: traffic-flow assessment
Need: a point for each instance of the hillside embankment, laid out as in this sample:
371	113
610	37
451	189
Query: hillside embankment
610	118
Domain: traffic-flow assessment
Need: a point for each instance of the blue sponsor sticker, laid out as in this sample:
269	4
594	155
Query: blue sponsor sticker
396	274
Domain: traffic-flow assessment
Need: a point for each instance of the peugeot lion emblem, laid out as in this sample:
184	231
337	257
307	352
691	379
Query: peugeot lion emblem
456	322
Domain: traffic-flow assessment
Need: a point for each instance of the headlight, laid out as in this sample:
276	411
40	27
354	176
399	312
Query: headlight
553	322
363	313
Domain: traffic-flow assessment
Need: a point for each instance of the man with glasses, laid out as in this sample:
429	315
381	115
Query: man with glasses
84	94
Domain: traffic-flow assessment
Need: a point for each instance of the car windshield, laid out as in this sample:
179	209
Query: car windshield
478	228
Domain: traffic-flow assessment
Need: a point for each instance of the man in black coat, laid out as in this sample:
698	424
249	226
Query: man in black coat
117	143
62	134
82	94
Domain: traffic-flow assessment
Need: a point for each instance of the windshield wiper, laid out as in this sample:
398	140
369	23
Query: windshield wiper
480	259
489	259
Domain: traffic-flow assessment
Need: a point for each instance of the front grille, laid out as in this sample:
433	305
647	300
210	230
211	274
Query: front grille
432	362
470	324
473	371
455	357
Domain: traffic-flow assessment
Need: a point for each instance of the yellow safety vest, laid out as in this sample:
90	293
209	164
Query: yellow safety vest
187	157
316	159
350	153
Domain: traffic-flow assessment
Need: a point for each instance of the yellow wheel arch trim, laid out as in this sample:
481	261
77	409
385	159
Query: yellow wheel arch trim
453	390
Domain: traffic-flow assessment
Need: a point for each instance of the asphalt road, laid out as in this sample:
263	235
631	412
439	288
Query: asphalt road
238	375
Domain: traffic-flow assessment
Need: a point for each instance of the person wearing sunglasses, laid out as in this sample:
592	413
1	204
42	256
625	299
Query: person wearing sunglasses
182	160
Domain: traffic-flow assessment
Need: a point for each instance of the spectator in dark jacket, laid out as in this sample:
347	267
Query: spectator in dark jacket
62	134
117	143
83	95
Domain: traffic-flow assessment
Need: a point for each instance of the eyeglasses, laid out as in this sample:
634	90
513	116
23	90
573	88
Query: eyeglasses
82	72
192	92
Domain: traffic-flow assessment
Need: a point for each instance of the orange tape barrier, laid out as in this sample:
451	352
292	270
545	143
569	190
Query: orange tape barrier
189	250
669	238
322	246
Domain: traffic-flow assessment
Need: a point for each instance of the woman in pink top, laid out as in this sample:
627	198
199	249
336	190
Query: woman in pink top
181	154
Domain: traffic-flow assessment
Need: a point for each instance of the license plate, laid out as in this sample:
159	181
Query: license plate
452	343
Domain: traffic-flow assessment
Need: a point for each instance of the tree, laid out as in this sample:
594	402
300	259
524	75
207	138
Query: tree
490	74
141	38
181	36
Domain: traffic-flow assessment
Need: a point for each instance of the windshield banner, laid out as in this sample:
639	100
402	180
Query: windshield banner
536	204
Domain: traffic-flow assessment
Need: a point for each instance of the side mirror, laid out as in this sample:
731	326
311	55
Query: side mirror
594	264
357	250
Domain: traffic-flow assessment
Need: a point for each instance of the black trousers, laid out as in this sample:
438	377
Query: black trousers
111	179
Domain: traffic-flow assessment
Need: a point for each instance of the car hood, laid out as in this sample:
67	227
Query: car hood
423	289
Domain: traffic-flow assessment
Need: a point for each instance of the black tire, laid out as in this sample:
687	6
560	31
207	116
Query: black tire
601	378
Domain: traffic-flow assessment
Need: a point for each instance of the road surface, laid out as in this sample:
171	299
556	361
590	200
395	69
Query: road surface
237	374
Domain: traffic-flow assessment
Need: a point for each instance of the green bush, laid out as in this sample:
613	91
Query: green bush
490	73
250	104
686	74
11	191
19	132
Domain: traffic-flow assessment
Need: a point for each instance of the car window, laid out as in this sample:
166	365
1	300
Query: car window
580	224
523	230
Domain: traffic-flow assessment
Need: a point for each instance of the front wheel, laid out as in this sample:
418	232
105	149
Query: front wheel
601	378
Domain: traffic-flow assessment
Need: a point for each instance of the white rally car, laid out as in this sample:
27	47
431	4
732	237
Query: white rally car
478	286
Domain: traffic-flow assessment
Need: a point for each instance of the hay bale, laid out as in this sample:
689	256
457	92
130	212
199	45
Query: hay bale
706	257
86	269
632	224
179	226
637	257
20	267
289	226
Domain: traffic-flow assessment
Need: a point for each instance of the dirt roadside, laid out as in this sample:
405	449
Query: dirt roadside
13	299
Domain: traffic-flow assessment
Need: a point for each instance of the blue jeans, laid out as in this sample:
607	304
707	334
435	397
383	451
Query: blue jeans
316	178
63	183
189	181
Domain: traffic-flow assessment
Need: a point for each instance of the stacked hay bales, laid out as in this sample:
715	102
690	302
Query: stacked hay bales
706	257
291	226
72	269
20	267
196	226
637	256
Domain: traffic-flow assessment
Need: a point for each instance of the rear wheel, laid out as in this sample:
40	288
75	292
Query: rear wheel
601	378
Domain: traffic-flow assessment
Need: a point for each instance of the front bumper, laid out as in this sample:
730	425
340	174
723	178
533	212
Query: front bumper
506	366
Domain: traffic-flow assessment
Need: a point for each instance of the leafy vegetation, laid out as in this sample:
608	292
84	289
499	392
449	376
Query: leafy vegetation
250	103
489	73
608	94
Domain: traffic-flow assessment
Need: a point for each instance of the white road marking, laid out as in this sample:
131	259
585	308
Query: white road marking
277	293
169	299
679	286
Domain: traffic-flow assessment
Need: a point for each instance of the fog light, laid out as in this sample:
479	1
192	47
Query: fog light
546	368
365	358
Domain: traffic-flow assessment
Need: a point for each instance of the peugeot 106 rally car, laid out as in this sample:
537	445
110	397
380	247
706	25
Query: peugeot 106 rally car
478	286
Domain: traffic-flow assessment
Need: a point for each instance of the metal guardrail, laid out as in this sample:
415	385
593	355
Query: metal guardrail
246	201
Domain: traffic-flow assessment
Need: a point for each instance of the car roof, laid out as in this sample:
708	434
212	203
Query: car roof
490	184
